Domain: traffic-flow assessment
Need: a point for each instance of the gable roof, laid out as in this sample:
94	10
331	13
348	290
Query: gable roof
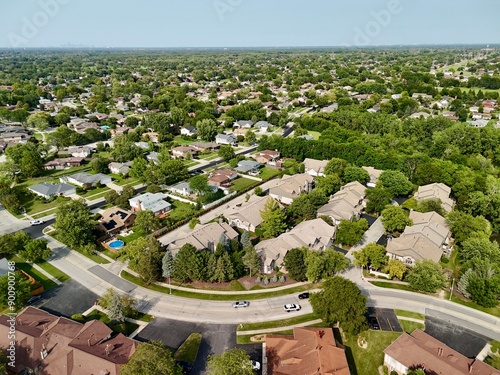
345	204
316	165
436	191
204	236
307	351
49	189
420	348
290	186
247	212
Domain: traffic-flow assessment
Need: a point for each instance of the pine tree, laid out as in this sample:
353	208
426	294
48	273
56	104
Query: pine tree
273	219
116	309
245	240
251	259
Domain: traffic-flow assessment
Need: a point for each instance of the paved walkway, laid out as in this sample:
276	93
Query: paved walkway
45	273
277	329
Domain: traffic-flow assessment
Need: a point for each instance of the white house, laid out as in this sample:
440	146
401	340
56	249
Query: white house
188	130
315	167
48	190
226	139
150	202
82	178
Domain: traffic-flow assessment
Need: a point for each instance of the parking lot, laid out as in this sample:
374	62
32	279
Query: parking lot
386	318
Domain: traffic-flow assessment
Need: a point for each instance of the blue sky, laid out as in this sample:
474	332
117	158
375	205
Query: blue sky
247	23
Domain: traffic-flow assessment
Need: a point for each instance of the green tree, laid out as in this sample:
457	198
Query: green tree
61	137
341	301
245	240
353	173
397	269
295	264
302	208
395	219
31	164
479	247
224	268
99	164
226	152
464	225
372	254
377	199
39	120
250	137
133	250
206	129
426	276
396	182
147	222
74	223
188	264
232	362
351	232
111	197
115	309
199	184
429	205
417	371
35	250
336	166
330	184
273	219
151	358
149	264
22	290
251	259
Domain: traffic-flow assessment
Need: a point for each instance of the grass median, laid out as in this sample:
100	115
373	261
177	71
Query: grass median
409	314
55	272
277	323
217	297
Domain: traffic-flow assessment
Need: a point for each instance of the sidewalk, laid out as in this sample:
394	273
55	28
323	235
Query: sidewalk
45	273
277	329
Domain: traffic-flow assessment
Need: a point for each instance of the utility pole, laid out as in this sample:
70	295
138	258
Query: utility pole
451	289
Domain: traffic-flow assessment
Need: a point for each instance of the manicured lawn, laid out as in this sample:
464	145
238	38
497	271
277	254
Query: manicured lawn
181	210
410	314
242	183
55	272
314	134
89	193
367	361
390	285
495	311
180	141
96	258
34	205
409	326
126	327
209	156
38	276
277	323
188	350
267	173
216	297
131	237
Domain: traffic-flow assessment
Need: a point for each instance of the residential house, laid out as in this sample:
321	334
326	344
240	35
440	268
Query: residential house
83	178
14	137
188	130
286	189
63	163
222	177
246	215
243	124
150	202
478	123
315	167
181	188
183	152
330	108
307	351
418	115
115	219
374	176
428	238
153	136
142	145
205	146
226	139
269	157
120	168
263	126
346	204
421	349
121	130
204	237
420	96
314	234
249	167
80	151
436	191
153	156
48	190
83	126
52	345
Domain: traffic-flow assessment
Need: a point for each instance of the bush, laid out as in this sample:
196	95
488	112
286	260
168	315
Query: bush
275	279
259	279
266	281
282	279
78	317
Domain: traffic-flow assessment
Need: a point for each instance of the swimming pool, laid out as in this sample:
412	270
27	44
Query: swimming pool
116	244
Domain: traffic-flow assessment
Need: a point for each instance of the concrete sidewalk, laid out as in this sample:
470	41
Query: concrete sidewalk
277	329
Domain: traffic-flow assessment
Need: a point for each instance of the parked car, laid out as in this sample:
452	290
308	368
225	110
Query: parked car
291	307
37	222
241	304
255	365
373	323
304	295
33	299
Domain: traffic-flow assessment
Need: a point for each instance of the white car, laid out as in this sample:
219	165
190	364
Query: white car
255	365
291	307
37	222
241	304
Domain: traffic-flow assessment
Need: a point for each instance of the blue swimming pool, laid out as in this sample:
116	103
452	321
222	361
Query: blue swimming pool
116	244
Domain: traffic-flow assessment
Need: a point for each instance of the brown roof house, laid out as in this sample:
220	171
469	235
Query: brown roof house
436	191
246	215
222	177
428	238
420	350
204	237
51	345
269	157
63	163
311	351
286	189
115	219
314	234
315	167
346	204
183	152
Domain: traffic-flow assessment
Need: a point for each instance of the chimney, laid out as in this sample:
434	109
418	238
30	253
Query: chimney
107	349
321	334
88	342
20	322
139	207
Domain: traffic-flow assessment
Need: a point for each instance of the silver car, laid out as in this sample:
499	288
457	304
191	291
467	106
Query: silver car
291	307
241	304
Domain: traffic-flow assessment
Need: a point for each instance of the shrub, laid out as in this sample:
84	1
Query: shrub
259	279
266	281
275	279
282	279
78	318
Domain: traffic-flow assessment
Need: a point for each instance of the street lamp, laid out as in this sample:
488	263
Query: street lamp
451	288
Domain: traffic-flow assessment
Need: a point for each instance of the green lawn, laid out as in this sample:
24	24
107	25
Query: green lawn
126	327
34	205
267	173
390	285
131	237
366	361
180	141
38	276
314	134
241	183
495	311
209	156
181	210
89	193
55	272
410	314
277	323
96	258
409	326
188	350
216	297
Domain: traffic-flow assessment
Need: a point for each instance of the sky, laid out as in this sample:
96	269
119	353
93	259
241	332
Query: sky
246	23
